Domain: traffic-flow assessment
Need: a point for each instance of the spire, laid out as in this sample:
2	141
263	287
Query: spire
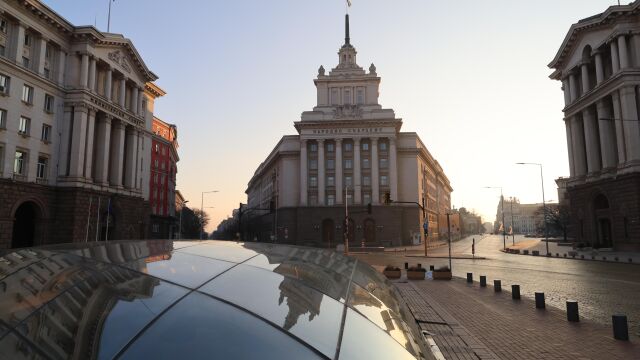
347	40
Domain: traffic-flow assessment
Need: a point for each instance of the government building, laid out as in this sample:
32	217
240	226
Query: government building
76	109
349	152
598	64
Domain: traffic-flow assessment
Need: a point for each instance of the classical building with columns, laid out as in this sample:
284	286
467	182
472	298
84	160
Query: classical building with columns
599	66
349	152
76	107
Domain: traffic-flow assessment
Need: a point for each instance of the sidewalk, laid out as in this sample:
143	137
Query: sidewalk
594	254
470	322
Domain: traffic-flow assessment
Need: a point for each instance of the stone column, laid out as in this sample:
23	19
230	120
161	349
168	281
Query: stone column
92	74
102	151
117	154
88	158
84	70
321	173
65	141
123	92
375	173
20	32
567	125
566	87
584	69
108	78
339	165
62	58
357	176
140	98
591	140
630	123
393	170
78	141
42	51
599	68
619	124
579	155
303	172
615	60
130	152
607	139
624	54
134	100
573	86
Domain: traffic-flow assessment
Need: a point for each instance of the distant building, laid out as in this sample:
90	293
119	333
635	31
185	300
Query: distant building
521	218
598	63
470	223
76	106
162	182
348	149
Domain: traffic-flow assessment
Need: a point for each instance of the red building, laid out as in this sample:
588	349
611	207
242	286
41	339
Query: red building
162	182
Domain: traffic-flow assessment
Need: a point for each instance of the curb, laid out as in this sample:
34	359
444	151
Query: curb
572	258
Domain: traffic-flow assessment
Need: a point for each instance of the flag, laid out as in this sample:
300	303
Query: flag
348	2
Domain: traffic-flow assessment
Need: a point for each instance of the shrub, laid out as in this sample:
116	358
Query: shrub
442	269
391	268
415	268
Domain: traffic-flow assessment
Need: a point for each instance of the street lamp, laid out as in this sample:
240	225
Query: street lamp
544	205
202	211
504	230
180	227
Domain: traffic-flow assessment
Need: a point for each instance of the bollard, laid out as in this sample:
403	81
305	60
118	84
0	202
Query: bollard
540	300
515	292
432	267
406	266
469	277
483	281
620	329
497	285
572	311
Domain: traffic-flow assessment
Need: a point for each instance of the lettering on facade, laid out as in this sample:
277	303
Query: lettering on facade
348	131
120	59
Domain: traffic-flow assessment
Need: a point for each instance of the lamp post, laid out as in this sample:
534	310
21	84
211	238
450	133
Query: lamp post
513	232
202	211
504	230
180	225
544	205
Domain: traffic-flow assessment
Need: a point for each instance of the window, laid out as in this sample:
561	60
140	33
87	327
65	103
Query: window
27	40
25	61
365	163
331	199
4	84
2	50
156	226
164	150
48	103
348	181
313	164
162	165
155	163
331	164
365	146
41	169
27	94
347	97
334	96
348	164
366	181
366	198
3	119
314	147
313	199
47	73
384	163
349	197
348	147
161	179
46	133
20	163
330	147
3	26
360	96
155	178
157	148
384	180
23	125
383	146
331	181
313	181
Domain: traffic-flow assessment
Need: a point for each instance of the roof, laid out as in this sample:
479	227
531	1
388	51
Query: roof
192	299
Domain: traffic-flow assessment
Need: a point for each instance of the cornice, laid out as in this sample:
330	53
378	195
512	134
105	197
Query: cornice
627	77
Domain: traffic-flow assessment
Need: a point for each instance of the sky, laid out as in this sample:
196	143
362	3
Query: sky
470	77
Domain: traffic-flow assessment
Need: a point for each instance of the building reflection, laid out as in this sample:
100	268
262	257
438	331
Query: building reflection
58	302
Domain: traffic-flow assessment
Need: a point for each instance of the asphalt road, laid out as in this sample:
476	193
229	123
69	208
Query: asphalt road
601	289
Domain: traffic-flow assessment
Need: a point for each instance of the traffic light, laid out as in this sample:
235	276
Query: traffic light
369	208
425	227
387	198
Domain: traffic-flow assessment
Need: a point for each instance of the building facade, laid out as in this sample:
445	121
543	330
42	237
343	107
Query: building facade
522	218
349	152
162	182
599	66
76	106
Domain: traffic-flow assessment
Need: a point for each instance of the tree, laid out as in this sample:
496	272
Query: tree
557	219
191	223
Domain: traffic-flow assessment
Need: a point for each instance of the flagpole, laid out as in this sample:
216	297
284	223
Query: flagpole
86	237
98	220
109	16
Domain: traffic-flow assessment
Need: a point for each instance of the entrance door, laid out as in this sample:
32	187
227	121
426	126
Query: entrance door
328	233
24	225
369	230
604	233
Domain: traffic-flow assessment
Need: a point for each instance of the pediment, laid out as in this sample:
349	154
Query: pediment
121	60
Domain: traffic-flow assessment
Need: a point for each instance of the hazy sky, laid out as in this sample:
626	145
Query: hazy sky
470	77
